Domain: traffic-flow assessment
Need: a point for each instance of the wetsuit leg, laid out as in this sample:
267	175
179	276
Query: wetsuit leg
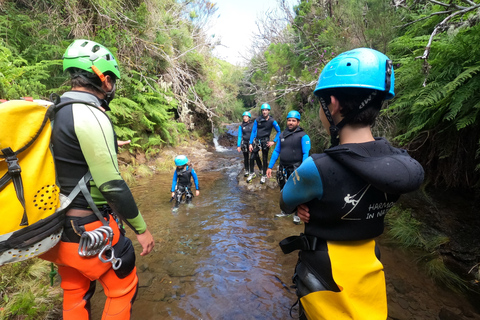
265	158
120	295
254	157
77	291
259	163
246	161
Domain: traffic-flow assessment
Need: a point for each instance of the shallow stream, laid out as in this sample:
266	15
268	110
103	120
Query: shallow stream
219	258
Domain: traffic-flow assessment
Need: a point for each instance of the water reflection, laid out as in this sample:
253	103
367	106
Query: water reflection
217	259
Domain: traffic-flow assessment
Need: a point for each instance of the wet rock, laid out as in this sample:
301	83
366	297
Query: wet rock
403	303
181	268
446	314
396	312
399	285
143	267
146	279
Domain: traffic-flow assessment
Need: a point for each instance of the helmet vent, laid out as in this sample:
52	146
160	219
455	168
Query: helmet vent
95	48
348	64
84	44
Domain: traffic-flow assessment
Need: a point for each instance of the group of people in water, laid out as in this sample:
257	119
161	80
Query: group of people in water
340	195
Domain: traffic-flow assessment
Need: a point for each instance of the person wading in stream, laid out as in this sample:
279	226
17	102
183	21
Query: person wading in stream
182	181
85	145
244	133
342	195
260	139
293	148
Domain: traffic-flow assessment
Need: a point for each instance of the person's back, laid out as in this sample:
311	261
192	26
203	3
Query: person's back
343	194
84	145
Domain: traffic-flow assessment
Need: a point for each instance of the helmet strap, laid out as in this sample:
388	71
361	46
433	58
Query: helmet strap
388	76
334	129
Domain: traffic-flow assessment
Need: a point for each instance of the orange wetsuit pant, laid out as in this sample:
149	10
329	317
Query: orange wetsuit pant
78	274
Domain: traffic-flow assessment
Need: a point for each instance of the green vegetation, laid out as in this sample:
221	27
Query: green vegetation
26	293
174	91
407	232
435	112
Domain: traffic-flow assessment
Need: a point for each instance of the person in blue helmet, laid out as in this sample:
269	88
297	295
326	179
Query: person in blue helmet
293	149
260	140
244	133
343	194
182	181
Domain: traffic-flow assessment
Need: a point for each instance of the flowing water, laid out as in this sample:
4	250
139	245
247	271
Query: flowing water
219	258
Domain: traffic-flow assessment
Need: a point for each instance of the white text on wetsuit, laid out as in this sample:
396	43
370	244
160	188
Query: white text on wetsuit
380	209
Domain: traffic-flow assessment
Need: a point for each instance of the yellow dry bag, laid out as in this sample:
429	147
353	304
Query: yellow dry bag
31	206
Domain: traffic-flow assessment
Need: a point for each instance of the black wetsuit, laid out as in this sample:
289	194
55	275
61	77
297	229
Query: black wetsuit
348	190
244	133
260	137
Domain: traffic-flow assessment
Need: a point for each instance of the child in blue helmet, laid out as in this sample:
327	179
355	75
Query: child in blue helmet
182	181
342	195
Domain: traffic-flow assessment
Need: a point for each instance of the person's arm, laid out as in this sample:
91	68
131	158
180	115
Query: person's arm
239	141
174	181
96	137
277	127
305	147
274	157
303	185
195	179
254	132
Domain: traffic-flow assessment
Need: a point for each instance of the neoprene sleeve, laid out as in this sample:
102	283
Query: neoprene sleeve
96	137
303	185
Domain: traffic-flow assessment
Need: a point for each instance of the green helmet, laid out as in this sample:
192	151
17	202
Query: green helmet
83	54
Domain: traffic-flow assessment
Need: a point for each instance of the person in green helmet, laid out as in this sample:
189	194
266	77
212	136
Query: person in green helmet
85	144
343	194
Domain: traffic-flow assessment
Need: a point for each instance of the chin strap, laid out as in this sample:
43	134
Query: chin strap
335	128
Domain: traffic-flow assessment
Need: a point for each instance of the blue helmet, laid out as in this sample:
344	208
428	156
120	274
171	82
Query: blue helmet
358	68
294	114
265	106
246	113
181	160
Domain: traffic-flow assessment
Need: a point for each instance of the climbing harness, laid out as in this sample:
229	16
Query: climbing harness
99	241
